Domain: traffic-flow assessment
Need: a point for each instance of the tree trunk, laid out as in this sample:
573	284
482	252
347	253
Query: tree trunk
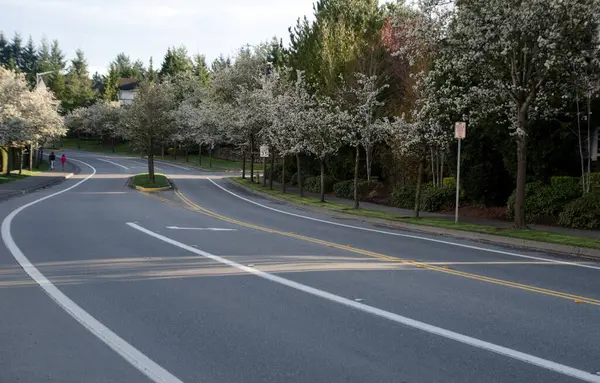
442	169
210	150
175	152
199	154
113	145
162	152
30	157
322	180
4	154
151	168
283	186
265	171
10	159
271	171
435	184
521	179
244	164
418	191
356	203
187	153
300	180
369	159
589	143
40	157
581	156
252	159
20	157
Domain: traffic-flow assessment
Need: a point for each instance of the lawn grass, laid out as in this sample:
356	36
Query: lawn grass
93	146
24	173
533	235
143	180
217	163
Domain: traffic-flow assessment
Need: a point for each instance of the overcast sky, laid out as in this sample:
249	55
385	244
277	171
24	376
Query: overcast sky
145	28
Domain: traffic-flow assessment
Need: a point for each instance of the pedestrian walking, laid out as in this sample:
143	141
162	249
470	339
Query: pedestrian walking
52	158
63	159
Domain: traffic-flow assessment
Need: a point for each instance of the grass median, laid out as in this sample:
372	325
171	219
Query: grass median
533	235
143	180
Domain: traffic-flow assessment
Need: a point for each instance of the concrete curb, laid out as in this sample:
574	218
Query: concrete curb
150	190
487	238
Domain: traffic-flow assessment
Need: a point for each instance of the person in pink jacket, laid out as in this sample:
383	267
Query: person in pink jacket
63	159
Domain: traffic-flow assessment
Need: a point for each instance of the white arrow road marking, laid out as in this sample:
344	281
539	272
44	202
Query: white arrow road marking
426	327
114	163
131	354
200	228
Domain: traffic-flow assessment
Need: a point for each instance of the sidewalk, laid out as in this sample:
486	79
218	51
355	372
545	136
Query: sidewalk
36	182
409	213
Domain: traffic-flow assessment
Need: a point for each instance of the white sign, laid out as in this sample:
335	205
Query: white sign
460	130
264	151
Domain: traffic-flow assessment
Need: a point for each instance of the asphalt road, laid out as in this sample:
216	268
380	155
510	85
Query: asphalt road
100	283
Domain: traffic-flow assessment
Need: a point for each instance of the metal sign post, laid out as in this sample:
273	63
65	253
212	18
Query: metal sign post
264	153
460	131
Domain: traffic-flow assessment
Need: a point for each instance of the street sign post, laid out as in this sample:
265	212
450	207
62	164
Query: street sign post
460	132
264	151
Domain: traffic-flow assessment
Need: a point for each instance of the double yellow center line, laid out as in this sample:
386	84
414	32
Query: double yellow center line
446	270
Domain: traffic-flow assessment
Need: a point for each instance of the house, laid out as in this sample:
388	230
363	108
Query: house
127	90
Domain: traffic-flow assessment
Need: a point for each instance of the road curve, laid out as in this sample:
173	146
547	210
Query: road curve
207	286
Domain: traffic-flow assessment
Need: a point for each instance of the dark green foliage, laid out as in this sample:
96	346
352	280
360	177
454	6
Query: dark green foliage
366	189
176	62
582	213
435	199
404	196
313	184
544	202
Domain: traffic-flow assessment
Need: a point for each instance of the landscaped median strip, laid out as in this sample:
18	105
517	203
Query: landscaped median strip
142	183
536	239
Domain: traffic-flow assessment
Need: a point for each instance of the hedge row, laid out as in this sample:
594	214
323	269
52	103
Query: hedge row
433	199
367	190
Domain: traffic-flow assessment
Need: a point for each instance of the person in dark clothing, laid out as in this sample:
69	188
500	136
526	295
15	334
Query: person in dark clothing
52	158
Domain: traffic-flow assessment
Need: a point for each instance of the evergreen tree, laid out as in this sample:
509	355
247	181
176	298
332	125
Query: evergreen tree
201	69
176	61
151	74
4	50
30	61
220	63
78	90
16	51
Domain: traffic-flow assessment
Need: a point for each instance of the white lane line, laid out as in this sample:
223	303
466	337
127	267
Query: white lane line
199	228
170	164
132	355
406	235
465	339
114	163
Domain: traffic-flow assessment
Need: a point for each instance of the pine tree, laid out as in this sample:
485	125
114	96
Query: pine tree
151	74
30	61
201	69
16	51
4	50
176	61
78	90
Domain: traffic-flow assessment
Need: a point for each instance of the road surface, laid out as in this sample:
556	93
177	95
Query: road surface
100	283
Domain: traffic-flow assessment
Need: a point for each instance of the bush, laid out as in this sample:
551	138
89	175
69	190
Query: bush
438	198
595	182
582	213
449	181
344	189
404	196
294	179
543	202
366	189
277	169
313	184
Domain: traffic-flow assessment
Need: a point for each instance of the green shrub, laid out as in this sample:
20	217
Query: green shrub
368	189
404	196
294	178
313	184
595	182
543	201
438	198
582	213
449	181
277	169
344	189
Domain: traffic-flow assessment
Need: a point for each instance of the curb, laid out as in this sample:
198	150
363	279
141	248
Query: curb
42	186
459	234
150	190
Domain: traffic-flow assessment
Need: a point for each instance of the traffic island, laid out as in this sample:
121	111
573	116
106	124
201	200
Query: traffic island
142	183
